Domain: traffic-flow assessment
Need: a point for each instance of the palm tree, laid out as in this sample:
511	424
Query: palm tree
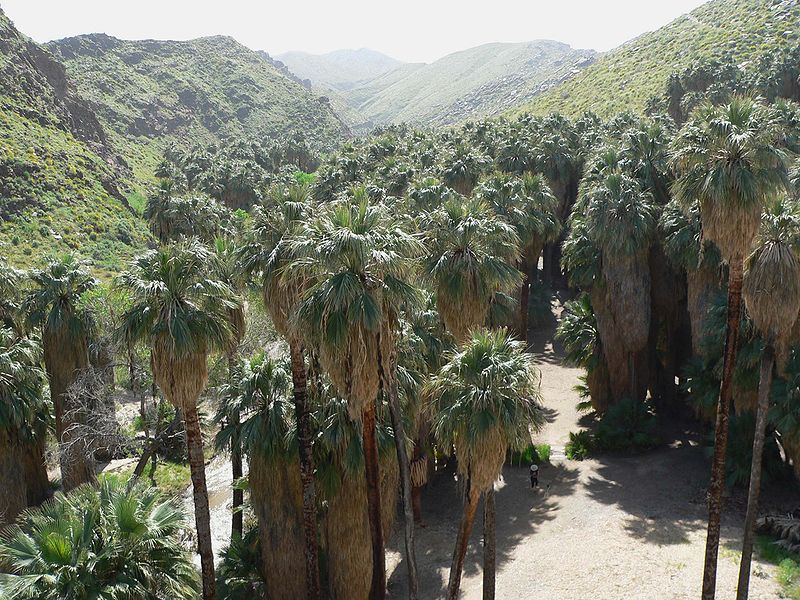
183	315
463	170
106	542
225	267
558	155
361	260
12	316
172	217
729	159
771	292
11	282
471	257
258	393
345	528
158	211
268	252
54	304
578	331
685	248
621	222
484	400
23	419
530	207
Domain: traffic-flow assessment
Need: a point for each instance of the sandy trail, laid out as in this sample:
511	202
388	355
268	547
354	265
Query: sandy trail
621	527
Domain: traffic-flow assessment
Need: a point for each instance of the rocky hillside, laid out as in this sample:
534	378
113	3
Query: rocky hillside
148	94
478	82
58	174
627	77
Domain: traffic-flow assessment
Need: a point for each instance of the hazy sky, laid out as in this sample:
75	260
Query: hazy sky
410	30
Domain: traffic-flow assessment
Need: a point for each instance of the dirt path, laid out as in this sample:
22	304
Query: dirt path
608	528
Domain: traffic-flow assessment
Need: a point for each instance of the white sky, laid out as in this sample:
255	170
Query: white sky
409	30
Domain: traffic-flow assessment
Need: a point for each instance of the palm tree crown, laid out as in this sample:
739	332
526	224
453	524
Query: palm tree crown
174	304
361	260
730	160
54	299
22	402
471	257
484	400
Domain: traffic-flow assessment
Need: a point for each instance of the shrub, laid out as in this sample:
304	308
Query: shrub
740	452
627	425
538	453
543	452
238	576
100	542
579	446
788	563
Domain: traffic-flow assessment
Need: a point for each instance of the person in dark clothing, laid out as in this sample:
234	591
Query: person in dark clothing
534	476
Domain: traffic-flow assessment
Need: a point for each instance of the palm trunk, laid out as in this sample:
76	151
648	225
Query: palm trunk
65	357
370	442
303	418
197	464
460	551
721	430
764	384
405	476
35	471
13	498
489	546
524	301
419	454
416	504
237	516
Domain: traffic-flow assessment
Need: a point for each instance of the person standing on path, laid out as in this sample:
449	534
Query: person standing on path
534	475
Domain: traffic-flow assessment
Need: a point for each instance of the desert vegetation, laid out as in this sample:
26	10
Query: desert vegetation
351	327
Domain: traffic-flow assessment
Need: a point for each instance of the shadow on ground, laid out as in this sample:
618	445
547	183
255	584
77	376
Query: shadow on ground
662	490
519	515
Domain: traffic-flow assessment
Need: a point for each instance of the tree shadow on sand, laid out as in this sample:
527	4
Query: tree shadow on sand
520	512
662	491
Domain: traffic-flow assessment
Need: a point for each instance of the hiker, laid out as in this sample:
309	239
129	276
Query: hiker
534	475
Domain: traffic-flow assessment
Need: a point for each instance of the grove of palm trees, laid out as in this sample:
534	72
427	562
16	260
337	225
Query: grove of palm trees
328	372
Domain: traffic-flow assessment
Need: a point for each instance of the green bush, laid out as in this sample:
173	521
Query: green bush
538	453
627	425
238	575
543	452
580	445
740	452
788	563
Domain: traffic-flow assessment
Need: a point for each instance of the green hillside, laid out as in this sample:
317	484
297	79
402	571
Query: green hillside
148	94
57	175
627	77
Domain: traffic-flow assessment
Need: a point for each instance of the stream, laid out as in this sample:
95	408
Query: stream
220	500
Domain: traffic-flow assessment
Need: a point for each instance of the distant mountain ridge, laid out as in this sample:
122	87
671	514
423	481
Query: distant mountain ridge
484	81
340	69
